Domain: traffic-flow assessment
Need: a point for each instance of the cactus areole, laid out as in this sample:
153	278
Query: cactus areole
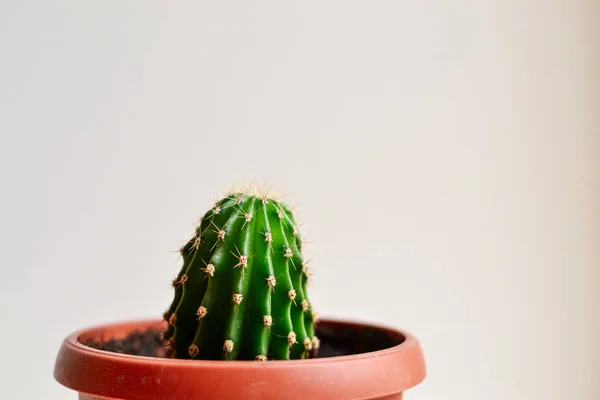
242	291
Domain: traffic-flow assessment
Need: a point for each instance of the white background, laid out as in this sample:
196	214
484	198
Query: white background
445	155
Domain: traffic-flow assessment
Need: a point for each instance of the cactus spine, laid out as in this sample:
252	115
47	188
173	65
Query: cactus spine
241	293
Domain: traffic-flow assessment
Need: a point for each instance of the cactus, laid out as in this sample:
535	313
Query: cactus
241	293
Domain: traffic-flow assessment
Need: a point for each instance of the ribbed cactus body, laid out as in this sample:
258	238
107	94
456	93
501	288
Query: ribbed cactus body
241	293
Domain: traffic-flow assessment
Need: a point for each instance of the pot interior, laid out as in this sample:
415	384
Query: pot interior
337	339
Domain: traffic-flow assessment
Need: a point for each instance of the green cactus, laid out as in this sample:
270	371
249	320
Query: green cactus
241	293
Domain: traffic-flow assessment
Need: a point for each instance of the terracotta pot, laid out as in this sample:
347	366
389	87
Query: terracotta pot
388	363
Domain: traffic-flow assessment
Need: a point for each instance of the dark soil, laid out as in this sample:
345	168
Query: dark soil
139	343
336	340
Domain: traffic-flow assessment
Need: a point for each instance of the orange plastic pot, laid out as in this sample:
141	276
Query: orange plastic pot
396	365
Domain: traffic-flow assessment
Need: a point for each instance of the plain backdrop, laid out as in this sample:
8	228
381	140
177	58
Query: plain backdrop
445	154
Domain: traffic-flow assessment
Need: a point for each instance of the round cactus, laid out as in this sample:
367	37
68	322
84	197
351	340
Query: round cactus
241	293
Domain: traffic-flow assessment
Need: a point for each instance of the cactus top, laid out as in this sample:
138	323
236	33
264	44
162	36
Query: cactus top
241	293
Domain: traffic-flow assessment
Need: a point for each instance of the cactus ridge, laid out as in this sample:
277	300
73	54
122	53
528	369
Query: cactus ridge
241	293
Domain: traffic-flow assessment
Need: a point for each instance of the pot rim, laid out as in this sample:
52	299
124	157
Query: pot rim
359	376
